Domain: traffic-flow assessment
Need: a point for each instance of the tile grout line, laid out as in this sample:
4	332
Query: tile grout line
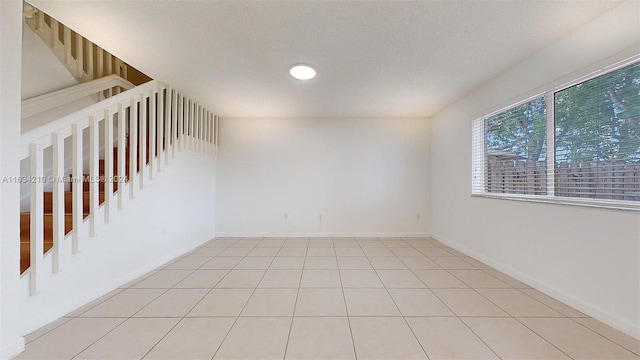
458	317
295	304
398	308
635	352
187	313
346	308
248	299
503	310
339	269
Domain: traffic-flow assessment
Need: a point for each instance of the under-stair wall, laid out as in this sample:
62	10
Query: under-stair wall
173	215
159	204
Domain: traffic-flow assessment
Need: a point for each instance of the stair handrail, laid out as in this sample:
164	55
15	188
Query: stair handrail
42	134
48	101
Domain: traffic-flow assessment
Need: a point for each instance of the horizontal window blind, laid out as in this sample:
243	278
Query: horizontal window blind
515	149
579	142
597	137
477	156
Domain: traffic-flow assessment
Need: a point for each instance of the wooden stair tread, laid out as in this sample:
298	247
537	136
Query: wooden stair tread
25	217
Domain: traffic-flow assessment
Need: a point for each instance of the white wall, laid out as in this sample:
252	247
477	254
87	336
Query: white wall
180	199
11	341
42	72
588	258
365	177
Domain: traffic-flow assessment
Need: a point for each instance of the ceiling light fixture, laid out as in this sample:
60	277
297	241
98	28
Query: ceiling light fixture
302	72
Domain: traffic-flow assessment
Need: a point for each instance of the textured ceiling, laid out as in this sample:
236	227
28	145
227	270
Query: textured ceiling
374	59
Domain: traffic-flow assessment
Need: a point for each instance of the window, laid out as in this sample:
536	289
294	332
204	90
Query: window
585	144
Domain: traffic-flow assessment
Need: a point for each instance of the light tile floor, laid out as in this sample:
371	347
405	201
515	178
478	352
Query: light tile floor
341	298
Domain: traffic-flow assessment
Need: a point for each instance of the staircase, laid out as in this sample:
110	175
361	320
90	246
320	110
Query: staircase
84	60
48	208
118	147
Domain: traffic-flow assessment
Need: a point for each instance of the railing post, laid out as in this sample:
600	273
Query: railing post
133	146
90	74
199	127
211	121
37	218
160	132
108	70
205	132
54	33
99	68
79	56
122	150
58	199
152	133
108	164
67	45
180	122
117	69
192	121
76	140
167	125
216	134
174	122
40	20
94	173
143	139
187	124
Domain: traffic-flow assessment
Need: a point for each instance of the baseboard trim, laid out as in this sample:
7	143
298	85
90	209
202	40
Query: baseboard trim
597	313
12	349
324	234
96	293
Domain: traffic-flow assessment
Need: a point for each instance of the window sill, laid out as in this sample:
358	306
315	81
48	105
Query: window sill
592	203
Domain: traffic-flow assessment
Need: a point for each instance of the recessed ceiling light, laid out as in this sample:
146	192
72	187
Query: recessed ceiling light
302	72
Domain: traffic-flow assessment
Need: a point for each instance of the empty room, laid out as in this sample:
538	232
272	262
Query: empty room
320	179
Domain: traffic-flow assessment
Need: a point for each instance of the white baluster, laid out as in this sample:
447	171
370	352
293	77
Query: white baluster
89	47
192	121
108	164
167	125
57	141
216	134
143	140
174	122
180	122
108	69
94	173
37	218
122	148
160	132
205	129
211	134
77	188
79	56
99	67
187	123
54	33
133	147
40	21
117	68
152	133
198	122
67	45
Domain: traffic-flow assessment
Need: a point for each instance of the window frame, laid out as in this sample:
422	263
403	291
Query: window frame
479	182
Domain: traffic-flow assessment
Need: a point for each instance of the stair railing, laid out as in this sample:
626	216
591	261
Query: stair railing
45	102
82	58
152	114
